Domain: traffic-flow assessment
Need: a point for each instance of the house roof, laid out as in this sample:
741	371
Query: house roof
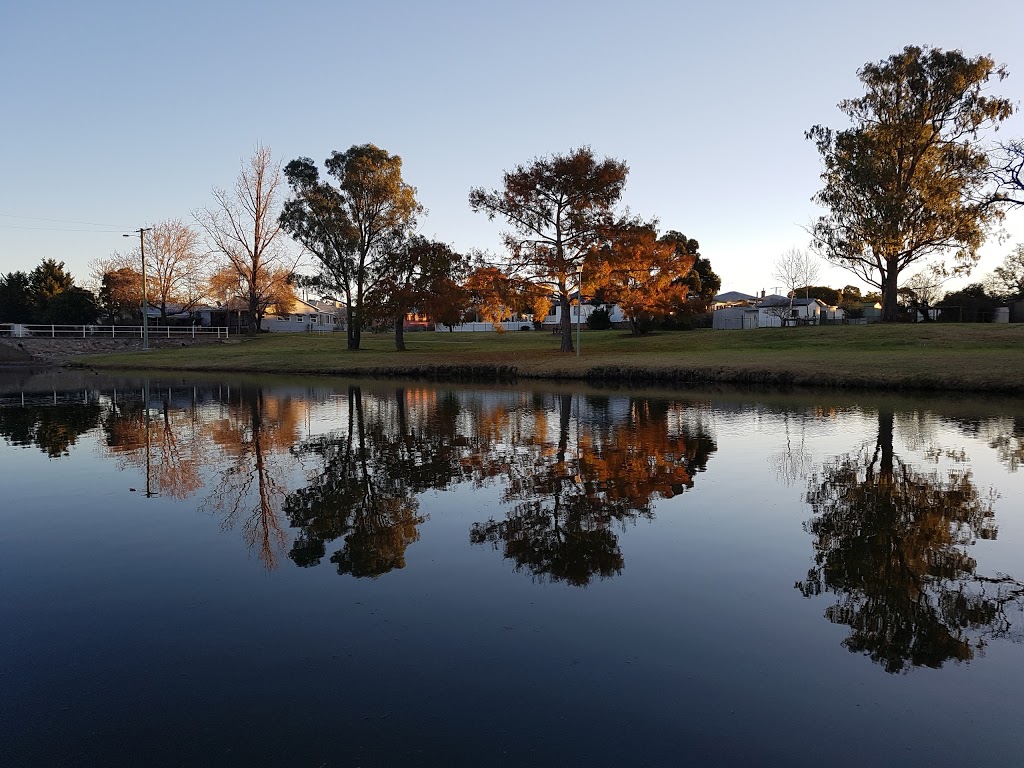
724	298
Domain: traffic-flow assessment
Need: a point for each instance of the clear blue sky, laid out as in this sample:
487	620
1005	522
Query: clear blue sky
128	113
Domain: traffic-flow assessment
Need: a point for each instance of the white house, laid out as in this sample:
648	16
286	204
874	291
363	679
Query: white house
778	311
775	312
554	316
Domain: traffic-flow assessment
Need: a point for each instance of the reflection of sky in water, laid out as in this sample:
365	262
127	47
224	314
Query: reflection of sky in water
132	623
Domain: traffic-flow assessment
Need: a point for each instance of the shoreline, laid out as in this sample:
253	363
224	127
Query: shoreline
927	357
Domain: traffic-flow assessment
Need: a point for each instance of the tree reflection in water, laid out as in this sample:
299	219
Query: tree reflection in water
567	498
246	437
364	488
53	428
891	543
255	435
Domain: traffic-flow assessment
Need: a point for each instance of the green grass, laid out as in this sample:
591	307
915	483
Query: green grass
932	356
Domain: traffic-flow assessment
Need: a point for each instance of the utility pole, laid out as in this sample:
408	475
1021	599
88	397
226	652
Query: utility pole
145	299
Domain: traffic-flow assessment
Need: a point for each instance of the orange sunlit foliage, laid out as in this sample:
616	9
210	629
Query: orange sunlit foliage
642	273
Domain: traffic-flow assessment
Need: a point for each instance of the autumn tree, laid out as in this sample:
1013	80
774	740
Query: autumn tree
491	295
273	287
643	273
560	209
906	182
243	227
120	293
353	228
421	274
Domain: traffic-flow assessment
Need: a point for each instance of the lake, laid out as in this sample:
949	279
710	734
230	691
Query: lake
324	572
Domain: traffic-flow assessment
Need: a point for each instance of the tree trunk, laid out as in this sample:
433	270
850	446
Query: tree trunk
889	295
884	445
566	324
400	333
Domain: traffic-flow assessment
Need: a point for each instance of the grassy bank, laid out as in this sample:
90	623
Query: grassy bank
926	356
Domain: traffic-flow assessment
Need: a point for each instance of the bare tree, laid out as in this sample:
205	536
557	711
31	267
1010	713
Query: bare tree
796	269
243	226
922	291
1008	169
175	266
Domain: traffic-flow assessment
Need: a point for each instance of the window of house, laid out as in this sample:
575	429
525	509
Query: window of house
298	318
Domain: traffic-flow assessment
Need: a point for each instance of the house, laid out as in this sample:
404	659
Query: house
301	315
778	311
554	316
774	311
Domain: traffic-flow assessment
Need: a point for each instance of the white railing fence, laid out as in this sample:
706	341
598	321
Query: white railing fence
21	331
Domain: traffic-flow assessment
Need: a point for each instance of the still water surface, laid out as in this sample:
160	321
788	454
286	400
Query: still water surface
333	573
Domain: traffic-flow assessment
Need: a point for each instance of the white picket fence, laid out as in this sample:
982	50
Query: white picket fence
20	331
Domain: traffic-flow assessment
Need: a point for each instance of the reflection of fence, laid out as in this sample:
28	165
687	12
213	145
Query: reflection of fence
108	331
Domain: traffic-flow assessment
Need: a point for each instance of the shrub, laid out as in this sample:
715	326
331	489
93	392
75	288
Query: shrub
600	320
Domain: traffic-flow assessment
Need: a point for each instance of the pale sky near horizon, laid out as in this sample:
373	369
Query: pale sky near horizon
122	114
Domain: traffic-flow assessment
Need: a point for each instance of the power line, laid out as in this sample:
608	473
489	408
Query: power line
58	229
63	221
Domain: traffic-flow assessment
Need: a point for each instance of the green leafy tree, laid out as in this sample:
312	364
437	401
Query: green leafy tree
906	182
15	298
1007	280
702	284
75	306
971	304
45	282
559	208
831	296
355	228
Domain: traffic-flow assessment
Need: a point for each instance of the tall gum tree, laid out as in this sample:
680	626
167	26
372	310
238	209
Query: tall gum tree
354	228
560	209
907	182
